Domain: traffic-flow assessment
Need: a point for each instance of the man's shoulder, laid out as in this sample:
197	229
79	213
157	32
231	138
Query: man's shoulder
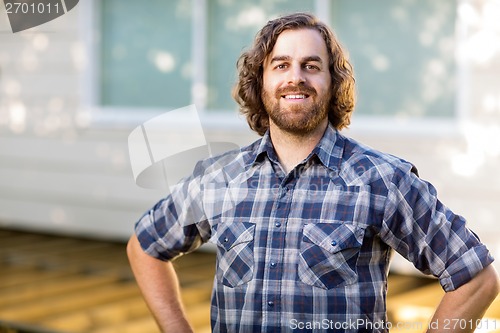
359	158
231	162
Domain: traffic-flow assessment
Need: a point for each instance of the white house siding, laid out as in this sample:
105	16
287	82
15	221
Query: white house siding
63	172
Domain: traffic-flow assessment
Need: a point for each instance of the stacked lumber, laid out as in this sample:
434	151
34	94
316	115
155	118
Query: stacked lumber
62	284
51	284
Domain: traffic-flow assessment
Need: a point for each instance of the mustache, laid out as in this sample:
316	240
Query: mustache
295	90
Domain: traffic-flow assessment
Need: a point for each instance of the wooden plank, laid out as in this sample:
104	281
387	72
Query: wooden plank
204	329
106	315
20	279
8	242
60	258
203	275
53	287
429	295
44	245
10	237
494	310
53	306
196	293
196	267
414	309
143	325
196	300
199	315
69	250
11	272
194	259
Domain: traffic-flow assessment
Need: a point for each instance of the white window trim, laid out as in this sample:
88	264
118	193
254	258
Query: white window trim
97	116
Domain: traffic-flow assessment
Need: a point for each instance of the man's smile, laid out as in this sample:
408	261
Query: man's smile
295	97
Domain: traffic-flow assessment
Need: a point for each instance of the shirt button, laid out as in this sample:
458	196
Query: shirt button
273	264
226	240
334	243
270	304
277	224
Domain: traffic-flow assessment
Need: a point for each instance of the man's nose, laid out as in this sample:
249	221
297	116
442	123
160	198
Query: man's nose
296	75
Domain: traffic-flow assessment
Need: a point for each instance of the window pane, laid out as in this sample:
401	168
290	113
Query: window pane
403	54
146	53
232	27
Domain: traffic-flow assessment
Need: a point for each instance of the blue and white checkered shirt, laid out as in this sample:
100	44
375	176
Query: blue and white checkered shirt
310	250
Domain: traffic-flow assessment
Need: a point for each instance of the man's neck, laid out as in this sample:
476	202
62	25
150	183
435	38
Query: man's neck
292	149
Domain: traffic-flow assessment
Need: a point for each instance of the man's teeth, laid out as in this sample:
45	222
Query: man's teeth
295	96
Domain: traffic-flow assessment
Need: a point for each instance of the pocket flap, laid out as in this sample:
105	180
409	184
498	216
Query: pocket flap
235	233
333	237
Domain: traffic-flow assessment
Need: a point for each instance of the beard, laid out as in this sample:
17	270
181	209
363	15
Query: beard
296	119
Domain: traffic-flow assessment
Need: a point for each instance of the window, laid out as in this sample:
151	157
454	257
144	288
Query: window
403	55
145	53
158	54
147	56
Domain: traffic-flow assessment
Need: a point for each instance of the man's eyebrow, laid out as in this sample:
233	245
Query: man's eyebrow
280	58
304	59
312	58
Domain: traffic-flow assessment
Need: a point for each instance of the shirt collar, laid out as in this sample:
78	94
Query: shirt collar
328	150
266	148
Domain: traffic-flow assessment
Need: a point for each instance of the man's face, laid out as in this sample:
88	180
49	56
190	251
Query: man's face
296	81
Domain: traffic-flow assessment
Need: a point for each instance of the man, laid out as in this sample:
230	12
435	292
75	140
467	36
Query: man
305	219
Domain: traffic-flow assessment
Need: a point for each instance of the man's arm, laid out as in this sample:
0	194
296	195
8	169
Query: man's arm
160	288
465	306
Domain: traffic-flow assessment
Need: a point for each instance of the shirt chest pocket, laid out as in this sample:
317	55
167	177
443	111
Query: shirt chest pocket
328	254
235	259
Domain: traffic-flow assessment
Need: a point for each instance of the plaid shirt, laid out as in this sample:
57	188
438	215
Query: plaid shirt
310	250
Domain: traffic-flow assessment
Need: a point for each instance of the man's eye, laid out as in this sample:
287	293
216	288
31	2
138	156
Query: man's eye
311	67
281	66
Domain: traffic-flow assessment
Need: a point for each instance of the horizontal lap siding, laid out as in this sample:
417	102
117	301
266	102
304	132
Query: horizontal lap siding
81	187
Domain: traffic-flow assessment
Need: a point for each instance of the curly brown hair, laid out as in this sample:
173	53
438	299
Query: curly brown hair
248	88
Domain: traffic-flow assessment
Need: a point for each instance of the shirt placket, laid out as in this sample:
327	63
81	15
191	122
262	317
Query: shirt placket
274	258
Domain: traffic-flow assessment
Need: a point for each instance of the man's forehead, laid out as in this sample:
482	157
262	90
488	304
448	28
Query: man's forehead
304	43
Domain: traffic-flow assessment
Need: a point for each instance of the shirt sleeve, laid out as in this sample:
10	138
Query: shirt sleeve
423	230
176	224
